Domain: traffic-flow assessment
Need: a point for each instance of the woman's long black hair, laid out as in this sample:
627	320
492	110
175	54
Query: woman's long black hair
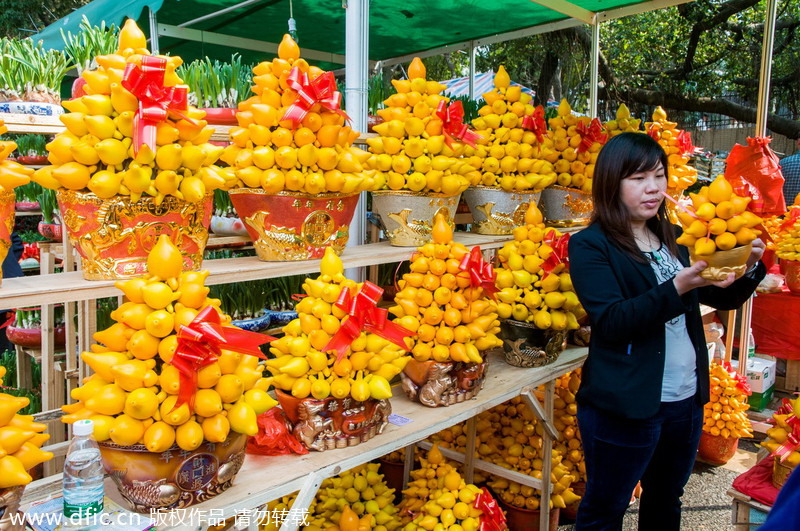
621	157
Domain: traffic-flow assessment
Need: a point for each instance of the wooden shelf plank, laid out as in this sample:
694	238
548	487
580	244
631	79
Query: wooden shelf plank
263	479
70	286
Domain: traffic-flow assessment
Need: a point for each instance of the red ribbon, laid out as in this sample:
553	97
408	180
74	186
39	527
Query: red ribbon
364	315
741	380
590	134
320	90
536	123
12	314
492	518
481	272
201	343
560	253
155	100
654	132
746	189
794	215
792	441
685	144
453	125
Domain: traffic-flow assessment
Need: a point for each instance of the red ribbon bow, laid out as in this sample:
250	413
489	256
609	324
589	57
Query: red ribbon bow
155	100
560	252
792	441
590	134
536	123
481	272
794	215
453	125
201	343
364	315
492	518
321	89
685	144
741	381
12	315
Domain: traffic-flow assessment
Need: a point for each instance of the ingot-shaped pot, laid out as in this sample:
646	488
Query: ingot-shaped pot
408	216
173	479
566	207
7	200
723	263
294	225
113	236
328	423
525	345
495	211
442	383
791	272
715	449
10	516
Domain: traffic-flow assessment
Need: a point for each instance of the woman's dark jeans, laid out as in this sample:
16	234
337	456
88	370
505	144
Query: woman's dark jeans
660	451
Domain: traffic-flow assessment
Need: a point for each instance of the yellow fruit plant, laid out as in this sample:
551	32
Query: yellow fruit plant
121	139
786	231
678	146
725	415
508	154
717	220
20	440
533	278
453	320
306	361
782	437
623	123
12	174
136	393
291	134
414	151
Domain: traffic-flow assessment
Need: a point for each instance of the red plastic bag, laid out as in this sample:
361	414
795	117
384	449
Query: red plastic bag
754	171
274	436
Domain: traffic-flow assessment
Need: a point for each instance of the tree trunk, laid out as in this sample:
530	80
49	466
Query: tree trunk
546	76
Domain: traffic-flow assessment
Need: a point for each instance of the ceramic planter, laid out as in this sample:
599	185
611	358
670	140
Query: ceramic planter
723	263
495	211
408	216
525	345
437	384
566	207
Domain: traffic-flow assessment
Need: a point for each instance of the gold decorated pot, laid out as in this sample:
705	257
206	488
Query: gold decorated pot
408	216
566	207
294	225
173	479
495	211
328	423
442	383
7	200
113	236
791	272
10	516
526	345
723	263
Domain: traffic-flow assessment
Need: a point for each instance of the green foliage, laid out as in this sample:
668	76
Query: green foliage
28	192
217	84
104	309
89	43
48	204
378	89
20	18
222	203
25	66
27	144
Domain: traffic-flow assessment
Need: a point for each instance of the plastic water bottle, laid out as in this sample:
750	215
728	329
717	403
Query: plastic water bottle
83	476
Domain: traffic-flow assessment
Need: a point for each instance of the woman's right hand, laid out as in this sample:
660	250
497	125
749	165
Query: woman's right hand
689	278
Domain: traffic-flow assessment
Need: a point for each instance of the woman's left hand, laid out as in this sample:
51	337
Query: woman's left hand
756	253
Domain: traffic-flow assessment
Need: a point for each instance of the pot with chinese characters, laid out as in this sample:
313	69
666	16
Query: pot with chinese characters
113	236
294	225
442	383
566	207
408	216
328	423
495	211
175	478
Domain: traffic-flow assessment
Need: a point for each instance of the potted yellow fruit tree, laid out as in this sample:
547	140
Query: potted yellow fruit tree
12	174
134	162
297	173
172	380
783	440
446	300
512	175
572	146
333	365
536	300
678	146
725	416
418	158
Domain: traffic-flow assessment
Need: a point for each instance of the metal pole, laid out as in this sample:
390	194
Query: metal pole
153	31
762	111
594	61
472	70
356	72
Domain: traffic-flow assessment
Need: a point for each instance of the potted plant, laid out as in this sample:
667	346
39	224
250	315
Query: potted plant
217	88
30	149
225	221
50	226
82	49
27	199
26	330
30	77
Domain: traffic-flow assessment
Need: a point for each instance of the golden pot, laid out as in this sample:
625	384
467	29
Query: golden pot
723	263
496	211
442	383
525	345
173	479
408	216
294	225
10	515
114	236
7	200
566	207
780	472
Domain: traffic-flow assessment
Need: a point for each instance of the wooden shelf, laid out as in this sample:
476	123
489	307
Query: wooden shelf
69	287
263	479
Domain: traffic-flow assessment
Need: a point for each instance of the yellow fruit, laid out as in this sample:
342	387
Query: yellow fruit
164	260
243	418
216	428
126	430
174	417
159	437
159	323
189	435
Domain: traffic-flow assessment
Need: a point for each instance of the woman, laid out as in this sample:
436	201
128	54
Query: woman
644	383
